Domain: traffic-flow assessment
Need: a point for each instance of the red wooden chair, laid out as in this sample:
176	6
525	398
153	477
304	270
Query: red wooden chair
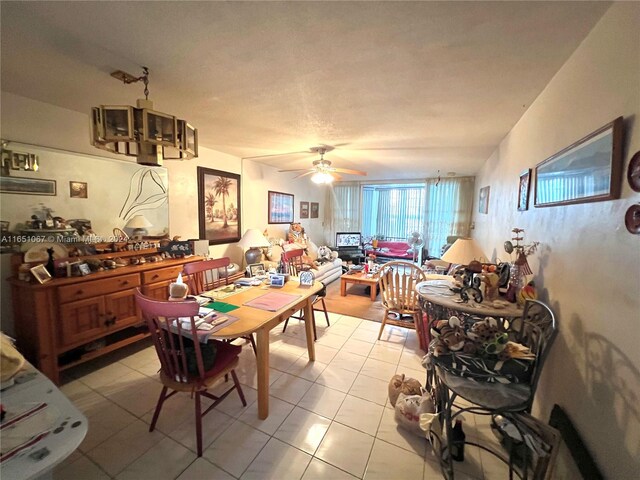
182	366
294	260
206	275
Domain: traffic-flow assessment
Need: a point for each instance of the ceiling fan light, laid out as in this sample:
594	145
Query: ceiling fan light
321	177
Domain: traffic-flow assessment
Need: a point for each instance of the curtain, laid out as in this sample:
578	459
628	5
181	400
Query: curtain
448	210
399	210
344	214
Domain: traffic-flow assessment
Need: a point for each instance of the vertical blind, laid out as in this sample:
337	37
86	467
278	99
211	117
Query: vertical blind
436	209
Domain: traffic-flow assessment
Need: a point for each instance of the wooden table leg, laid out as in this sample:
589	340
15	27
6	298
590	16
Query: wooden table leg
262	354
308	327
374	292
343	287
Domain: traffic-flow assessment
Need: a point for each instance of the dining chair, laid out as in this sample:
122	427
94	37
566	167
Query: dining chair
397	281
295	263
207	275
183	364
508	392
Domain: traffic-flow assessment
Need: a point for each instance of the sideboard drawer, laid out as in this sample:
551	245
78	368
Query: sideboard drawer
98	287
161	274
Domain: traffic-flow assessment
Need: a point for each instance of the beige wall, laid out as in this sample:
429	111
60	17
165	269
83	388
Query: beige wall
589	265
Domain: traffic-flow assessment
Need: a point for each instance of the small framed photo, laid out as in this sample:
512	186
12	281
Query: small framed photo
523	190
280	207
304	209
256	269
78	189
277	280
41	273
315	210
84	269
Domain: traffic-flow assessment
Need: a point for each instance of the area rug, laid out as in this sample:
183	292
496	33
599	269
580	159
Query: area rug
357	303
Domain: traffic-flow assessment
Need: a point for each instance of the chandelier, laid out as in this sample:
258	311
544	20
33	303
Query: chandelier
140	131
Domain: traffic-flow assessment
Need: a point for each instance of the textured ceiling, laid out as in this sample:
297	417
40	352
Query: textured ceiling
406	88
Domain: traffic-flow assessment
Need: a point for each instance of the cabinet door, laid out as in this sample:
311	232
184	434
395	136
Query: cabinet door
82	321
120	309
159	290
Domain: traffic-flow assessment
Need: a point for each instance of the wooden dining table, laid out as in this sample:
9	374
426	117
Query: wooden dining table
259	321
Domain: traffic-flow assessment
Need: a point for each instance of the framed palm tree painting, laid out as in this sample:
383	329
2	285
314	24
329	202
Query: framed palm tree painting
218	206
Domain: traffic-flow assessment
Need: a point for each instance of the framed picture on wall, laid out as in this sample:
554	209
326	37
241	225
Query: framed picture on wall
523	190
218	206
280	207
78	189
483	200
30	186
315	209
304	209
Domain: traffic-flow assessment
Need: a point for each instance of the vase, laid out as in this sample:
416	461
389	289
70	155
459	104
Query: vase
516	282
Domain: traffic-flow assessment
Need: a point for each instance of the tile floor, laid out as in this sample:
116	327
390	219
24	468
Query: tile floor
328	420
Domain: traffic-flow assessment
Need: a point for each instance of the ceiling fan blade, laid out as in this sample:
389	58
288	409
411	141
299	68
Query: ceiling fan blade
350	172
335	176
276	155
298	170
306	173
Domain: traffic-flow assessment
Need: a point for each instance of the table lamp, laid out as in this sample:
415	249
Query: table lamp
139	224
466	252
253	240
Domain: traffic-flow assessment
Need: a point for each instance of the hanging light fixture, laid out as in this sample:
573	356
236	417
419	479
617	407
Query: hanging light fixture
140	131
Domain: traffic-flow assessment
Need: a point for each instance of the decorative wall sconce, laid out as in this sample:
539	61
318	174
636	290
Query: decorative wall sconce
140	131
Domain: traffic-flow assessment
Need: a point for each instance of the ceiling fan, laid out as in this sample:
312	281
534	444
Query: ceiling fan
322	171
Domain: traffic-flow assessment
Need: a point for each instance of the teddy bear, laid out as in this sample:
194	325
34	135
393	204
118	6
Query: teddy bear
296	235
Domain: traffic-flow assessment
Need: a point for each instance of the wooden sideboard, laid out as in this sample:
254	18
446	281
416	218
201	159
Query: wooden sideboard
68	321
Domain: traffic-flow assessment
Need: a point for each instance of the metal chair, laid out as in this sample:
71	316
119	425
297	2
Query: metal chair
294	260
206	275
493	393
182	365
397	283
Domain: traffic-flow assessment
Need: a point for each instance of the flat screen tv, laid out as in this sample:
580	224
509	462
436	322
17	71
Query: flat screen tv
348	239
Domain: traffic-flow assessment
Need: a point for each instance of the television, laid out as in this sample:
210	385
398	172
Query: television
348	240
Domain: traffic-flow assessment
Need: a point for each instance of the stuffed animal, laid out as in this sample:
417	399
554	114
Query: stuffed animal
485	333
527	292
324	256
296	235
449	336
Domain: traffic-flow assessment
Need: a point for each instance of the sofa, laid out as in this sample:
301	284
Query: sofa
393	250
326	272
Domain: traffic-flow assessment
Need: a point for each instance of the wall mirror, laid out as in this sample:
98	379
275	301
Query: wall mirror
114	191
587	171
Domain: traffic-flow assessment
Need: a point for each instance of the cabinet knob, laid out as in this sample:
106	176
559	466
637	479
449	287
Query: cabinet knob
155	276
125	282
79	292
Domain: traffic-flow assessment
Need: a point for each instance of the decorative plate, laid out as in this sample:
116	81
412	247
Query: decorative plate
38	252
306	278
633	172
632	219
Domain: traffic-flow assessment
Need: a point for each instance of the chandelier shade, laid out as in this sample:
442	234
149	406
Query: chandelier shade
141	131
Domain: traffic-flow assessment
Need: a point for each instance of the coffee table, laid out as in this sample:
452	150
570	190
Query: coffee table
362	279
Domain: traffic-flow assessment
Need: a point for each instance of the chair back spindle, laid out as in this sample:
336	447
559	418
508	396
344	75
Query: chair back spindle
207	274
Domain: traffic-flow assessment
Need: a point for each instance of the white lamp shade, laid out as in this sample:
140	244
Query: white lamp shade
138	221
253	238
463	252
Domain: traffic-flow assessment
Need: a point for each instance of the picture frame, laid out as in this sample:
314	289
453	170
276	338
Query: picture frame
304	210
40	273
280	207
589	170
483	200
78	189
277	280
315	210
524	185
218	206
256	269
84	269
27	186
